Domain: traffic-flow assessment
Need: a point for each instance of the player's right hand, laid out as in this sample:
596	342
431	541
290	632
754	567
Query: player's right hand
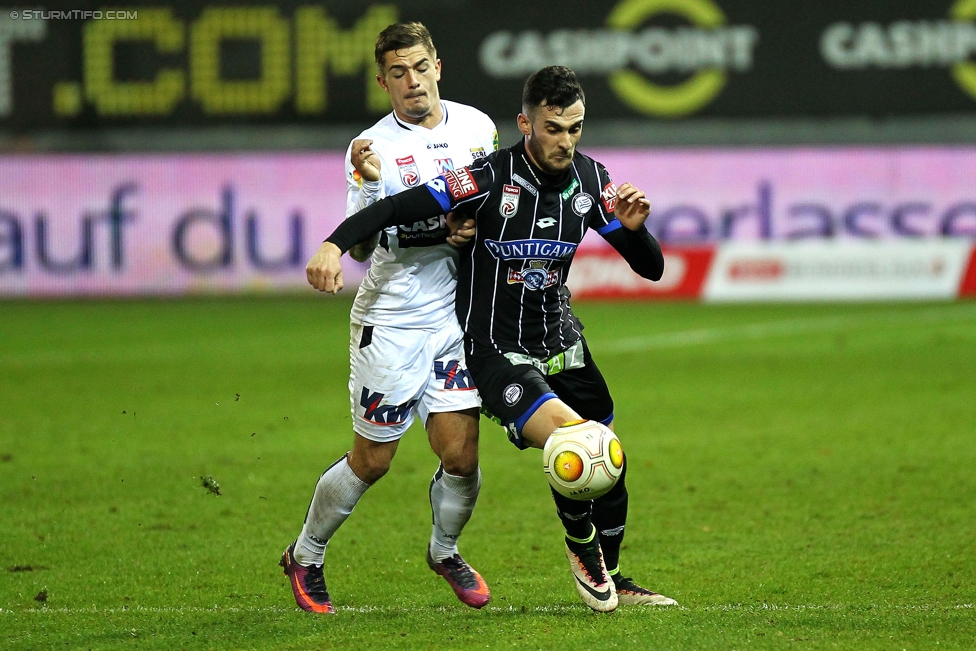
324	270
365	160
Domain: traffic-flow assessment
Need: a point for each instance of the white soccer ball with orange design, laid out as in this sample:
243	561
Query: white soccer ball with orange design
583	459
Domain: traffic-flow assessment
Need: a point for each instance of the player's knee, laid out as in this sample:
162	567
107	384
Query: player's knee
462	462
370	467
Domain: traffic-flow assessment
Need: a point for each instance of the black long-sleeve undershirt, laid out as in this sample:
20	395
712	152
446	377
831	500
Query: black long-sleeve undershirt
639	248
401	209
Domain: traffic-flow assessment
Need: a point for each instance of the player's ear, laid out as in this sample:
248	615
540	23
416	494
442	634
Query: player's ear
524	124
381	80
437	68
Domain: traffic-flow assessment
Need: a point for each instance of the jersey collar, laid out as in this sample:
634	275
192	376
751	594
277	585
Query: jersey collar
414	127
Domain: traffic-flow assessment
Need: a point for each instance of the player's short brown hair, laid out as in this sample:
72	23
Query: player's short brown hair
400	36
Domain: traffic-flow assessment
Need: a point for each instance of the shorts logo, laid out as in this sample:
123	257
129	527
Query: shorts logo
383	414
609	196
444	165
582	204
409	172
456	377
510	200
460	183
512	394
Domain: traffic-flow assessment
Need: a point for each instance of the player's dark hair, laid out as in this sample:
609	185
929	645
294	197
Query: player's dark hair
552	86
400	36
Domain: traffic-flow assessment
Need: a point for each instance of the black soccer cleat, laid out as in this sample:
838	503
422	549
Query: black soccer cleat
631	594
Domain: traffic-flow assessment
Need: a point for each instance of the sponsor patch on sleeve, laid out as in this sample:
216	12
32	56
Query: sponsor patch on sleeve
460	183
609	196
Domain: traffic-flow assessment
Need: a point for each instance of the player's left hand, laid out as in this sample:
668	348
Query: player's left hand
324	270
632	207
462	232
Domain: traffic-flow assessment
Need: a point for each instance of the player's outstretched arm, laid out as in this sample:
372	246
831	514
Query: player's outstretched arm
403	209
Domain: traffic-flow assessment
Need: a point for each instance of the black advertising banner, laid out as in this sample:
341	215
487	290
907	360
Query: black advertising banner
85	65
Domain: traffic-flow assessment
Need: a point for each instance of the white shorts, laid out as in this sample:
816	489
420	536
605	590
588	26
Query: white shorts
398	372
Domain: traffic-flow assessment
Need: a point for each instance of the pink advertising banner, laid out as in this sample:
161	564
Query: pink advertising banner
76	224
172	224
709	196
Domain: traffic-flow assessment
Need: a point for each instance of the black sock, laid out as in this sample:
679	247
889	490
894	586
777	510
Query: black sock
610	516
575	515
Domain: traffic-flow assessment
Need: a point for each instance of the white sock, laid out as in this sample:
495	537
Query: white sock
335	496
452	500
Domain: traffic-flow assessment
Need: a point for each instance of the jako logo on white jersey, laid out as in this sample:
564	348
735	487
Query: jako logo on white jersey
531	249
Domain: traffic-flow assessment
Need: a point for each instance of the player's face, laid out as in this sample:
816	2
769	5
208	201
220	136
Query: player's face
551	134
410	76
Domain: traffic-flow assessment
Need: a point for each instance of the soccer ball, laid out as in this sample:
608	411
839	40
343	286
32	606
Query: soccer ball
583	459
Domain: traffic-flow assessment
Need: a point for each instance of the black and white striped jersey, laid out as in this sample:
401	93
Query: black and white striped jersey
511	294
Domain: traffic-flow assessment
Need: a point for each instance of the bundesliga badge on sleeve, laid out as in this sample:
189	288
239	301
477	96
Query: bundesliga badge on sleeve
510	199
409	172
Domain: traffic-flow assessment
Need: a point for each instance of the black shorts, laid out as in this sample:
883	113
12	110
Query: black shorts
512	392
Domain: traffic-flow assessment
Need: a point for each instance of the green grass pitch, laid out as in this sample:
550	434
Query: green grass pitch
802	476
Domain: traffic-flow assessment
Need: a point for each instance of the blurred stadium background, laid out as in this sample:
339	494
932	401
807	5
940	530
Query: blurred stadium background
790	151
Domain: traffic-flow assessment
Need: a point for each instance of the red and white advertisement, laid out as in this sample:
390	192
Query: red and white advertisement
890	270
602	273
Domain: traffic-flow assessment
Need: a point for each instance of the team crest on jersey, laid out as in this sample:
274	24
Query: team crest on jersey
609	196
409	172
534	277
510	200
477	152
460	183
444	165
582	204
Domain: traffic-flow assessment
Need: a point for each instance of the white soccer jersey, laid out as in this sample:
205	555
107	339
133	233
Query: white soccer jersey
413	271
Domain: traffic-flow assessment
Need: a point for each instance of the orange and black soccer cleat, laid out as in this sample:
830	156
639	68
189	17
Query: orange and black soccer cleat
467	584
307	583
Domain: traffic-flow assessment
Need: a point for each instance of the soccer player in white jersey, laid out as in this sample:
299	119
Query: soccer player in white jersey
406	347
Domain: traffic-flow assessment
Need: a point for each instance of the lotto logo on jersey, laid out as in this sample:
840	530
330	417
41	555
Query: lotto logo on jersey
510	199
460	183
383	414
409	172
609	196
456	377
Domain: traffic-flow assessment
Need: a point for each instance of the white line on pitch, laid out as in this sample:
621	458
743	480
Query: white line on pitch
785	327
561	608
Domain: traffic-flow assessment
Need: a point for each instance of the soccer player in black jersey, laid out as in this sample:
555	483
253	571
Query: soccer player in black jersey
532	204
